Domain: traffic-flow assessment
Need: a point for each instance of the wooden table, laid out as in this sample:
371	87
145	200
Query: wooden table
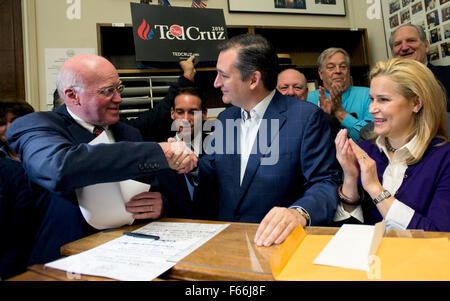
230	255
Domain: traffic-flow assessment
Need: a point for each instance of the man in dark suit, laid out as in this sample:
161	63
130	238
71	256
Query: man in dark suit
270	157
57	157
410	41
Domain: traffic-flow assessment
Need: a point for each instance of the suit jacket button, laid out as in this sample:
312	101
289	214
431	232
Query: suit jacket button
140	166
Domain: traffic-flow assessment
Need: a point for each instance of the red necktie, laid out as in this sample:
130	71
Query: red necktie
97	130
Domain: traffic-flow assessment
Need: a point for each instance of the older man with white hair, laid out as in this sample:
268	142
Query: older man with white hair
338	98
58	158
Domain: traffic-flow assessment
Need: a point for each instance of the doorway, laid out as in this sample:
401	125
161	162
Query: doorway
12	80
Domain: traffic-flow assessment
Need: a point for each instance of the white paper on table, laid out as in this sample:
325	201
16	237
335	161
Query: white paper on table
140	259
103	205
124	258
194	233
349	248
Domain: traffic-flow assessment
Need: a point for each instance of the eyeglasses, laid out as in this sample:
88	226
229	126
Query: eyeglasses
109	91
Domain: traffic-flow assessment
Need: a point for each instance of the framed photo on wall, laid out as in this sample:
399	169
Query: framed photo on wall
312	7
432	15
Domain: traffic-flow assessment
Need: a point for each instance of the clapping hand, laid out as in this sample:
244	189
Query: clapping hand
334	101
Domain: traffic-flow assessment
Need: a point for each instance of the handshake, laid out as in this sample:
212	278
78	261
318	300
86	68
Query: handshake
179	156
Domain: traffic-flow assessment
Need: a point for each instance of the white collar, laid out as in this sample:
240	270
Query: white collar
258	111
403	152
86	125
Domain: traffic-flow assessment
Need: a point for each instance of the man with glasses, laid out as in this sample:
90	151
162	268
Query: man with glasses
56	154
347	106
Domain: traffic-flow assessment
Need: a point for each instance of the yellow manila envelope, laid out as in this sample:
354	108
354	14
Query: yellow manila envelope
397	259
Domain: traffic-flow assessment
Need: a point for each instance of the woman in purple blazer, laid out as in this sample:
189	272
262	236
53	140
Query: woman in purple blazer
403	174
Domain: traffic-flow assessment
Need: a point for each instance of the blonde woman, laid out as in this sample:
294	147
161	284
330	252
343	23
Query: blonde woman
404	172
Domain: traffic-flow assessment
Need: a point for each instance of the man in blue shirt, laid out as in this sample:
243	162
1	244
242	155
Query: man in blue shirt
346	105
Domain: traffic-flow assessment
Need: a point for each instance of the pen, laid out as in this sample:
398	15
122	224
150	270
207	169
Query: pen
141	235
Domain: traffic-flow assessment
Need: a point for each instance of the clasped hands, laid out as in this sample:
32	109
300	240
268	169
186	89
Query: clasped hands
179	156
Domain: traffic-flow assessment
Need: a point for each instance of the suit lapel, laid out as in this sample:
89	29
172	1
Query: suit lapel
79	134
234	158
273	117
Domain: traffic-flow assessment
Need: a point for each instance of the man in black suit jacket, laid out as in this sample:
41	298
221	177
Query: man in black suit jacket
409	41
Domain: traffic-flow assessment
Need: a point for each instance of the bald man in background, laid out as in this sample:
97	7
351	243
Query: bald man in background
292	82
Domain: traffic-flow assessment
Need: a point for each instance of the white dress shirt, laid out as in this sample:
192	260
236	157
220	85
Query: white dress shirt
90	127
249	129
399	215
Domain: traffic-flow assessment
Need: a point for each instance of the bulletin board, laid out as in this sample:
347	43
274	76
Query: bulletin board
432	15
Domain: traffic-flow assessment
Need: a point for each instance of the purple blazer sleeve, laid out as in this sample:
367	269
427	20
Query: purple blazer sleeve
425	187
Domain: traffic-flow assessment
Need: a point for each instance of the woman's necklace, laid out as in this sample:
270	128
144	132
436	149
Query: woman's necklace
388	145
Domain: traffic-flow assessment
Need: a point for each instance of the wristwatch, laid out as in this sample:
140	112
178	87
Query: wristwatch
304	214
382	196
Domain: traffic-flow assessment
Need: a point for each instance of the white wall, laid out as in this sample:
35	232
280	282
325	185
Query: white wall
46	25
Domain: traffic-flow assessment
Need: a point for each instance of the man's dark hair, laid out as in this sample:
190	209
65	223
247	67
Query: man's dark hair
191	91
255	53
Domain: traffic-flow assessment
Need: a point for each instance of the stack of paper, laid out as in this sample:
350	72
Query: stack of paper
137	259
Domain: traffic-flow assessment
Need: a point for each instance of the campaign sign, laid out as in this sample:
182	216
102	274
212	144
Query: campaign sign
171	34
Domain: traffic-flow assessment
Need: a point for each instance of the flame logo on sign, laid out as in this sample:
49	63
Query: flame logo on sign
144	31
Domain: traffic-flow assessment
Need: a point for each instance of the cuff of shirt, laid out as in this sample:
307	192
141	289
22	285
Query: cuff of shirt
309	222
341	214
399	215
349	121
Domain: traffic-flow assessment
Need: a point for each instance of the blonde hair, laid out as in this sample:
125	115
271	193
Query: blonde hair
414	79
